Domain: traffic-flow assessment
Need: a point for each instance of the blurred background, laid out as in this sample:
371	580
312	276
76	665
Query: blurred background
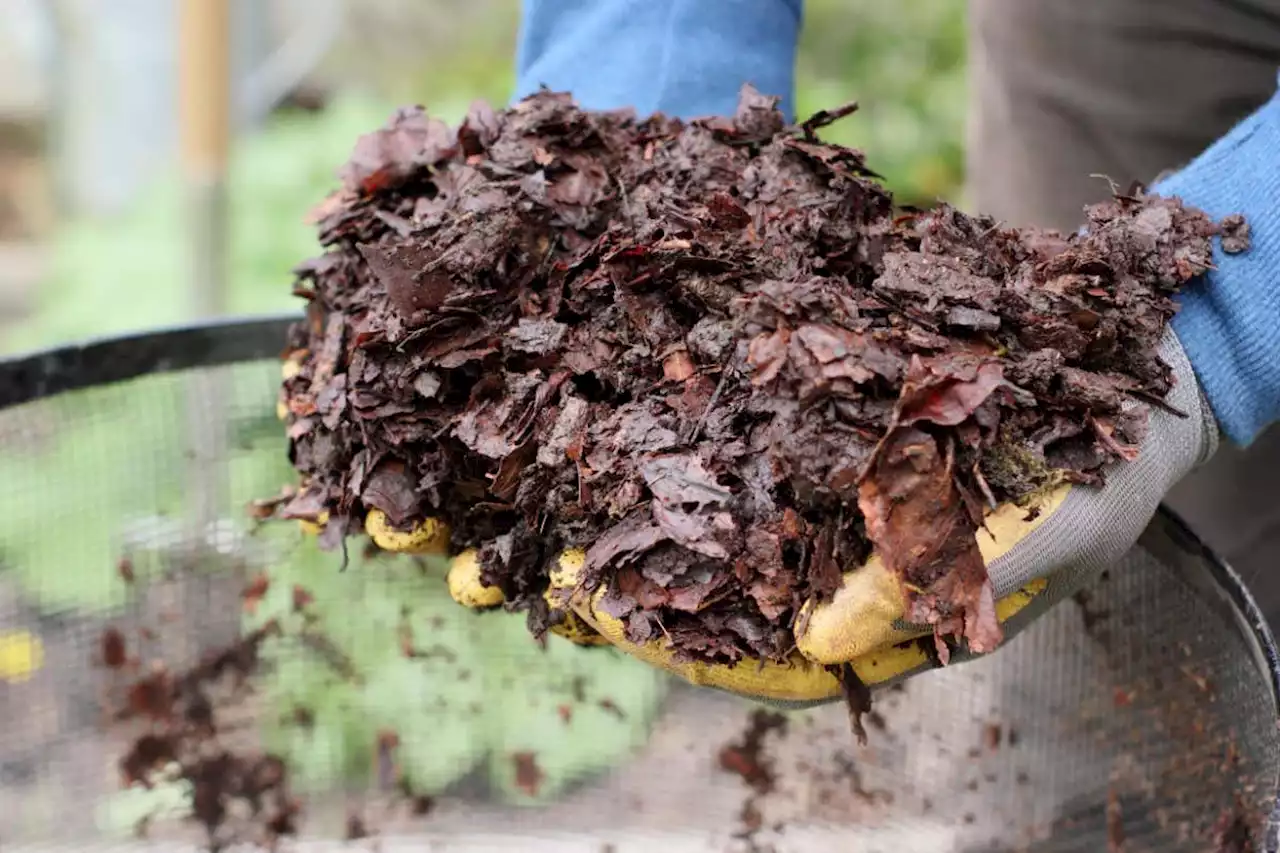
92	237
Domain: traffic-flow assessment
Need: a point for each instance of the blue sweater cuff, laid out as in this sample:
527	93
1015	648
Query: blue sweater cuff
1229	324
685	58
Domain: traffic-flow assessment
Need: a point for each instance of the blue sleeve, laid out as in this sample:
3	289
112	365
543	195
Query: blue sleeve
1229	324
685	58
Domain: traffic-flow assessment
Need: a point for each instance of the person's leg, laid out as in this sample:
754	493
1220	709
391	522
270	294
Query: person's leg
1128	89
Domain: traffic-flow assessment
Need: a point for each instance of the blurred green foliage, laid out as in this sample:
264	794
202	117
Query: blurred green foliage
905	65
128	273
477	695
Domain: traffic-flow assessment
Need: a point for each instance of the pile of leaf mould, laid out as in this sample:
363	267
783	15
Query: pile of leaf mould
715	356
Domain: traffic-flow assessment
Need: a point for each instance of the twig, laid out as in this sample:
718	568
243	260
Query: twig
715	396
856	695
982	484
823	118
1152	399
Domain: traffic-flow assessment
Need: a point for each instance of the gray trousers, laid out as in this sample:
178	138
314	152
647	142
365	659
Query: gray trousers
1064	89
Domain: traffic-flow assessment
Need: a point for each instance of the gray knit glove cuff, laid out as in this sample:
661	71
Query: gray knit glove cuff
1096	526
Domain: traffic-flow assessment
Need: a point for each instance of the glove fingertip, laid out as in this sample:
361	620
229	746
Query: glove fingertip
467	588
431	536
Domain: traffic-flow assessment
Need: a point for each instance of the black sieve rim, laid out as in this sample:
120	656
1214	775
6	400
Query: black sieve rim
1172	540
36	375
40	374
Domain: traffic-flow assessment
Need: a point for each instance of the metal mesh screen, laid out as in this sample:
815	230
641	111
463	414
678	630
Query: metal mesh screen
134	580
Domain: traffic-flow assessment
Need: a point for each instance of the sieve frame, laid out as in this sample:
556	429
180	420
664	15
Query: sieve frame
40	374
1172	541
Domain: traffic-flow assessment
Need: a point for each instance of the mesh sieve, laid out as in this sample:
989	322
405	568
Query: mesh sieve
1141	715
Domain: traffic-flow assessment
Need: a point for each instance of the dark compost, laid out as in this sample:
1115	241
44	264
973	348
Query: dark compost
715	355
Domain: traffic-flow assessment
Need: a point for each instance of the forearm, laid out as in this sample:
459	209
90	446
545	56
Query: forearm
685	58
1230	325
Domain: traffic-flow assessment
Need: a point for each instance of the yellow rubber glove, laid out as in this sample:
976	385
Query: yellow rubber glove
431	538
859	626
21	656
864	616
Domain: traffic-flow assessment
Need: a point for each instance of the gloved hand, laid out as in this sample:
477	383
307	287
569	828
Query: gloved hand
604	53
1036	555
431	538
1079	531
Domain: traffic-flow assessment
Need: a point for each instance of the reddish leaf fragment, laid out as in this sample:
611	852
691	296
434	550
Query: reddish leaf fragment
152	696
528	774
386	766
114	654
923	532
253	594
677	367
746	758
624	541
386	157
301	598
1115	823
479	129
507	481
767	355
947	392
148	754
836	350
825	573
412	287
584	186
391	488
